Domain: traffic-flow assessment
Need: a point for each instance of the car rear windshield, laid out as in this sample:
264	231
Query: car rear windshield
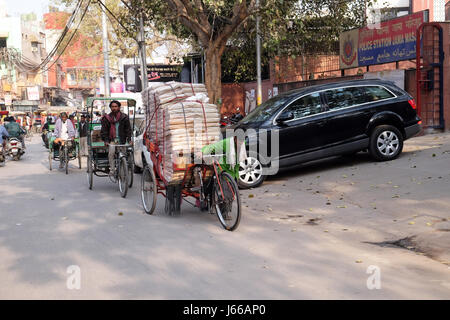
266	110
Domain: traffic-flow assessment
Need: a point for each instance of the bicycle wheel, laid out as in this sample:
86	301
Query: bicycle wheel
226	201
123	177
66	159
148	190
130	170
79	156
50	159
90	172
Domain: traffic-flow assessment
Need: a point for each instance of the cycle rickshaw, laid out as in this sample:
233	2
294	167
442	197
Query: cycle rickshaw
209	180
98	161
68	152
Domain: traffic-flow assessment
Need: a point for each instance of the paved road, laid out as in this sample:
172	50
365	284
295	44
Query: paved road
307	233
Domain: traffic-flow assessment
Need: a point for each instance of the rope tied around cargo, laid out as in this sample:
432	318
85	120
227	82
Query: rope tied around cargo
185	126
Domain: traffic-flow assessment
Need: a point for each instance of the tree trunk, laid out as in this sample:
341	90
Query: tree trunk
213	75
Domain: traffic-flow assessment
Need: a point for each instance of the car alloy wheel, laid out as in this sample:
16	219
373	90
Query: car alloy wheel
388	143
250	171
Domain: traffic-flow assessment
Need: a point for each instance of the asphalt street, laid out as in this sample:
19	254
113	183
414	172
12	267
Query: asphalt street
315	232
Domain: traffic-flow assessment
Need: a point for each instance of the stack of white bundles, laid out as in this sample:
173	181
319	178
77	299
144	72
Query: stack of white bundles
180	121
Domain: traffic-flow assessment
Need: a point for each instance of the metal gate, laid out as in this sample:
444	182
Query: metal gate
429	75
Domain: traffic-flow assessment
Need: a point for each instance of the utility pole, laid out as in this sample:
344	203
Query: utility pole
258	59
106	54
141	41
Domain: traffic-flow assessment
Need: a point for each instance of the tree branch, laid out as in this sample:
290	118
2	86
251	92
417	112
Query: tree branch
189	19
240	13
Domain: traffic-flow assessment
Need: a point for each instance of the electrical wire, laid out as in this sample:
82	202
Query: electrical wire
70	39
60	40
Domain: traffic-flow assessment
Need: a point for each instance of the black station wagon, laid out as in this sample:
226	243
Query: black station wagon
328	120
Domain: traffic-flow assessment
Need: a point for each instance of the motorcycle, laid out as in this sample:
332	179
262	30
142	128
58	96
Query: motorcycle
227	121
14	148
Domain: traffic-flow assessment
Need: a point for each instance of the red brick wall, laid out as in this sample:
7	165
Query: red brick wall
287	69
233	96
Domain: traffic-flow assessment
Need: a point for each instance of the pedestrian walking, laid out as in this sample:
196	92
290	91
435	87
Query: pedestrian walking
83	132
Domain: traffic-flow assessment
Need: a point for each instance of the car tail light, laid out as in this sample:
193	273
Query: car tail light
412	103
420	122
13	143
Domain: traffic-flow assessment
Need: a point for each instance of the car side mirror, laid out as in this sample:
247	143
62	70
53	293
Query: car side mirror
285	117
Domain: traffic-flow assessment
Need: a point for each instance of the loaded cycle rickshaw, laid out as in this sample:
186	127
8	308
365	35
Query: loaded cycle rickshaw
210	180
98	160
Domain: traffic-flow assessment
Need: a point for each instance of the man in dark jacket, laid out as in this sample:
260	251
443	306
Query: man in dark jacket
83	131
116	129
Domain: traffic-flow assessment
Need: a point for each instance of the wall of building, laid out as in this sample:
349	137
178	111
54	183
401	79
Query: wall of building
10	27
437	8
446	84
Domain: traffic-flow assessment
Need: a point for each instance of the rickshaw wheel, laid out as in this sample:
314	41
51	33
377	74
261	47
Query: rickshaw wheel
123	177
79	158
148	190
229	210
66	159
90	172
130	171
50	158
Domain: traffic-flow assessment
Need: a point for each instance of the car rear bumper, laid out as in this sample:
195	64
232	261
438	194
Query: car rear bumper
411	131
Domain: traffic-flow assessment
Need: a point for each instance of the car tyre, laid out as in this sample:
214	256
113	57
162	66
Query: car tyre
386	143
250	173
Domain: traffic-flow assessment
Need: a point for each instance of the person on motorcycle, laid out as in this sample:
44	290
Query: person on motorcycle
3	133
64	130
15	130
116	129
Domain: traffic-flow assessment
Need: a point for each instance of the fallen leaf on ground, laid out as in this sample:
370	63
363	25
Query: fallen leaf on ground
412	222
250	195
342	207
120	213
358	261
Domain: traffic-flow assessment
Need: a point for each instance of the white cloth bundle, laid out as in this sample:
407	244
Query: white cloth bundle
181	121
